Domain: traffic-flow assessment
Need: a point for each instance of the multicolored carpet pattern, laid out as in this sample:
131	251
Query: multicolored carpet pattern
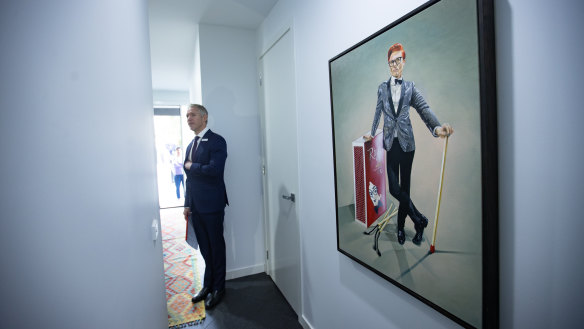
180	271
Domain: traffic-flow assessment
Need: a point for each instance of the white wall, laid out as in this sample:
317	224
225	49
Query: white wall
195	84
170	97
539	151
230	94
78	174
337	292
539	59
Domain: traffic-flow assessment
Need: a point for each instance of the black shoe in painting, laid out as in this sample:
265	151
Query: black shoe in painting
419	235
401	236
423	220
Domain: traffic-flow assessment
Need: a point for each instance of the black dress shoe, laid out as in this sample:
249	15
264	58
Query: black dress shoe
419	235
423	220
401	236
214	298
201	295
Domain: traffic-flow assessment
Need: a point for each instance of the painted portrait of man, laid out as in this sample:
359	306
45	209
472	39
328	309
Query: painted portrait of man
418	82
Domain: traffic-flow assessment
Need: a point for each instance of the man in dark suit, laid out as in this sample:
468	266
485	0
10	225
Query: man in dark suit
394	99
205	201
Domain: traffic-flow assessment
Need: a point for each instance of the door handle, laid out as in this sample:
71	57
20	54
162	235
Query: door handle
292	197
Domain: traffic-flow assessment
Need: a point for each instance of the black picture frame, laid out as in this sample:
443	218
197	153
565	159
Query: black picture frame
450	54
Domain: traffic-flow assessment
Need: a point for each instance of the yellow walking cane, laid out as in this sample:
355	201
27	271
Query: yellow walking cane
433	245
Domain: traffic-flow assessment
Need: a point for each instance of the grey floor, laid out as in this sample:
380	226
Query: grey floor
449	278
251	302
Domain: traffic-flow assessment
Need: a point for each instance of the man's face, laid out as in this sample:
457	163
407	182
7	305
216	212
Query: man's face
195	120
396	64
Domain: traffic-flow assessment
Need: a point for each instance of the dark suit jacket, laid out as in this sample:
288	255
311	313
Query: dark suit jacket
205	187
410	96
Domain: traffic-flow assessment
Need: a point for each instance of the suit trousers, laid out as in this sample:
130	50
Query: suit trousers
399	173
209	232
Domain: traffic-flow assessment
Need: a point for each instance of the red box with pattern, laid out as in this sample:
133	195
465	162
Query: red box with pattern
369	177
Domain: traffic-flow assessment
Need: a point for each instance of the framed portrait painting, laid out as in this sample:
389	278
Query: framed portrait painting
414	120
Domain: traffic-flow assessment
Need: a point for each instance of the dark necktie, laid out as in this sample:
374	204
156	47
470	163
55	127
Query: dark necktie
398	81
194	147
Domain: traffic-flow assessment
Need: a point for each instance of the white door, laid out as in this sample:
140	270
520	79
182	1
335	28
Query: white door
281	168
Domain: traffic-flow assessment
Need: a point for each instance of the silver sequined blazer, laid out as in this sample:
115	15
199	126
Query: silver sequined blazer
410	97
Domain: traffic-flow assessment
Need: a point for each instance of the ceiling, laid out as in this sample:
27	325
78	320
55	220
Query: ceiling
173	32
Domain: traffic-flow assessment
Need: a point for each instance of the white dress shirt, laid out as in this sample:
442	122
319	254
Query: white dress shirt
194	147
395	89
396	96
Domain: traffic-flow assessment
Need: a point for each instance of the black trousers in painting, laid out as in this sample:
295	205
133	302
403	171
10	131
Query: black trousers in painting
399	172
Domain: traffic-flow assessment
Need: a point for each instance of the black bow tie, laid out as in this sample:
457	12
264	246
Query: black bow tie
398	81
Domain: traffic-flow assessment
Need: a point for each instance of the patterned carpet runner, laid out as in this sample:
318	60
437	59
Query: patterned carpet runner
180	271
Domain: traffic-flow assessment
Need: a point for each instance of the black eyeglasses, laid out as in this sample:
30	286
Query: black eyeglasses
396	62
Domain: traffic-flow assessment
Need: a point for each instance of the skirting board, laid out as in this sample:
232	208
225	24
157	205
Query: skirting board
244	271
304	323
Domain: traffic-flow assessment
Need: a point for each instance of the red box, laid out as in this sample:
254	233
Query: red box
369	173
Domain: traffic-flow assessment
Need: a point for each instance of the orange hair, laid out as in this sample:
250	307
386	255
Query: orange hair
396	47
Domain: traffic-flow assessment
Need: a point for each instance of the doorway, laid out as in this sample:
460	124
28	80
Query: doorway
169	156
183	265
280	156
